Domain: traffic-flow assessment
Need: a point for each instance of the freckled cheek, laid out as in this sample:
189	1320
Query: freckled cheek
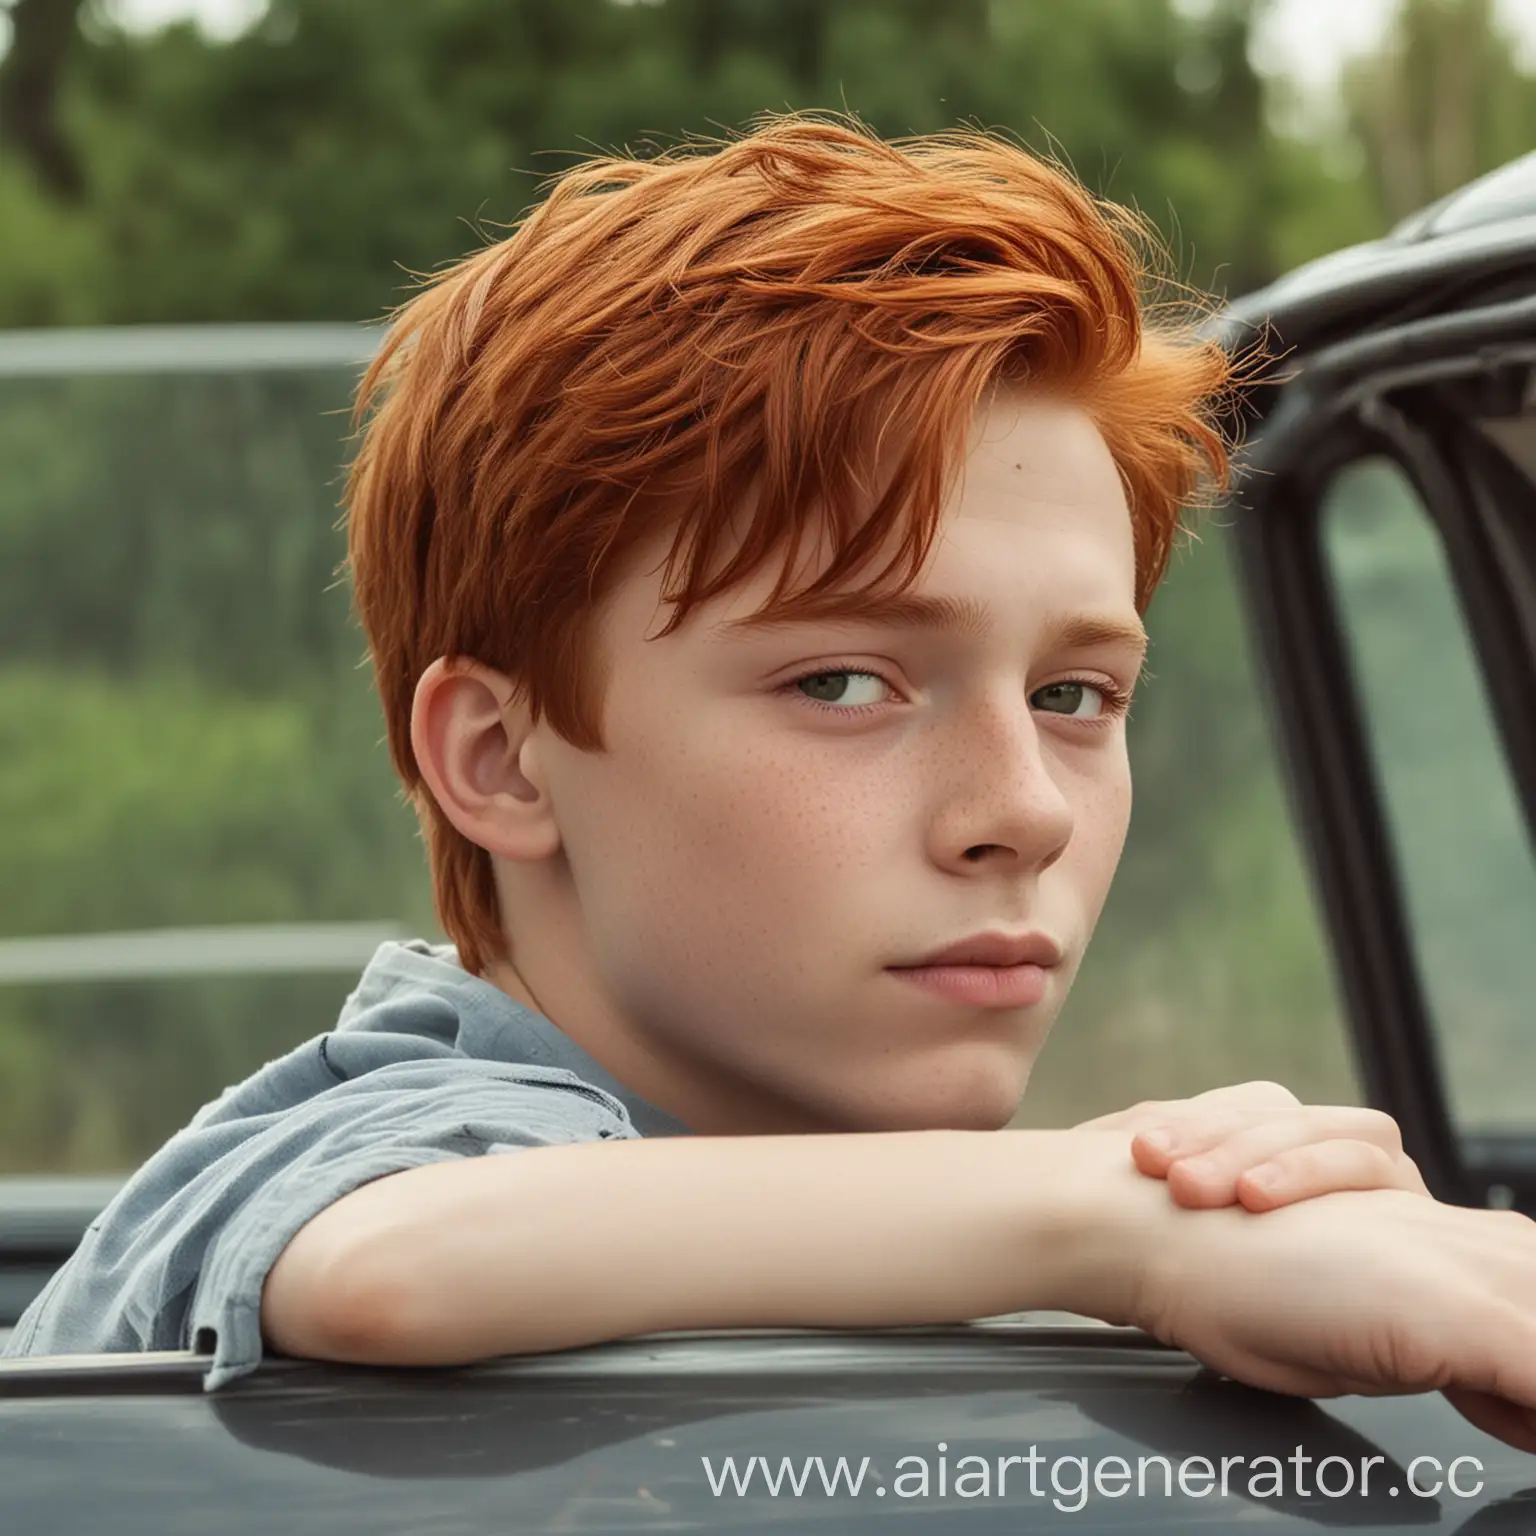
1101	820
667	805
739	867
762	817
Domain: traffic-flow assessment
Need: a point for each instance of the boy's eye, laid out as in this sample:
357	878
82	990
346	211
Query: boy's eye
1081	700
834	687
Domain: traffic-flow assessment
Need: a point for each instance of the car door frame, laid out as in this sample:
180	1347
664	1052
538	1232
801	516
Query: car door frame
1390	392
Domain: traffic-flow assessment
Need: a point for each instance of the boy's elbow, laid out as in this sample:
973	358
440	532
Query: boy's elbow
349	1296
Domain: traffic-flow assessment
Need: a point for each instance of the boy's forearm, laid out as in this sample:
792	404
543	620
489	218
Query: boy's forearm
558	1247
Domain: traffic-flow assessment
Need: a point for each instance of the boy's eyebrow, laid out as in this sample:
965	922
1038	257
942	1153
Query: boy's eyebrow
966	617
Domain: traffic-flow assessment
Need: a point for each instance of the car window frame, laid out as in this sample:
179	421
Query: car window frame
1401	395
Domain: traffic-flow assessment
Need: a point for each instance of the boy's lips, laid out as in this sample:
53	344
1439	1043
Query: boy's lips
980	986
994	948
994	969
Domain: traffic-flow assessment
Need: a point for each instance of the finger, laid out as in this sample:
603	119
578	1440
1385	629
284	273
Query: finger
1497	1416
1323	1168
1236	1140
1210	1178
1214	1178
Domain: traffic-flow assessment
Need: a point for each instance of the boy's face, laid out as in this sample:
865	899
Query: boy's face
736	875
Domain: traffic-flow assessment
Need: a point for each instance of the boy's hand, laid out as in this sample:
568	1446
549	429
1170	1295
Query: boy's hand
1374	1292
1258	1146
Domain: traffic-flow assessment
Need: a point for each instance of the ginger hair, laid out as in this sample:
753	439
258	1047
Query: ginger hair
765	313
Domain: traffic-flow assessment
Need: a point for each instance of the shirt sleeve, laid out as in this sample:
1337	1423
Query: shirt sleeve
180	1257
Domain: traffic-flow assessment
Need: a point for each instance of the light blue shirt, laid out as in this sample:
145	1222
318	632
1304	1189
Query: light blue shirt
426	1064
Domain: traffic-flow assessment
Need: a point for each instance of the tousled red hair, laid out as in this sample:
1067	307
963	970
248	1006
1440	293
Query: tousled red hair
661	336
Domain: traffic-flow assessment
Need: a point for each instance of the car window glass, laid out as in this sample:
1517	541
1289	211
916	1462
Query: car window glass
1461	845
200	842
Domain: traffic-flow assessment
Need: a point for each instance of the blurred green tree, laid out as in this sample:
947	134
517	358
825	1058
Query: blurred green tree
42	34
304	169
1444	100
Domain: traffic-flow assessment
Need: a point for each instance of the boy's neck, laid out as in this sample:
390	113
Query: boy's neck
689	1091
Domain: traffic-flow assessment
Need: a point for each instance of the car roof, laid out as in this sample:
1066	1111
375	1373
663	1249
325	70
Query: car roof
1477	235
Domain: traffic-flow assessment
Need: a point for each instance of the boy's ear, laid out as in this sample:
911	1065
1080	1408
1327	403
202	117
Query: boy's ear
478	756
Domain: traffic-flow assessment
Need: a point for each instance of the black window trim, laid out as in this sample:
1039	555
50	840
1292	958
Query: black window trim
1378	395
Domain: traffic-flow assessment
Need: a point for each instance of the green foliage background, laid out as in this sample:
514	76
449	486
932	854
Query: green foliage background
185	733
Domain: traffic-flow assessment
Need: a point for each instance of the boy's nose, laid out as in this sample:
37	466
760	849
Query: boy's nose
1006	802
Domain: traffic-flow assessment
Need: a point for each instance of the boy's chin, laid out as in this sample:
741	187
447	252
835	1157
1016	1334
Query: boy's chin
984	1106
